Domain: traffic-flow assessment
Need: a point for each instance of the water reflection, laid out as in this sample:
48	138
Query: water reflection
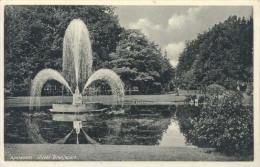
168	139
131	125
185	115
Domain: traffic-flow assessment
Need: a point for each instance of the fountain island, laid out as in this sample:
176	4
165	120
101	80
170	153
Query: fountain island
77	73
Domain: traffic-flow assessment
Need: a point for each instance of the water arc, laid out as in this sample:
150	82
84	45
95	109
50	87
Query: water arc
114	81
38	82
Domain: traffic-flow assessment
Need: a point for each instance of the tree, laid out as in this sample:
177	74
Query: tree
140	63
34	36
222	55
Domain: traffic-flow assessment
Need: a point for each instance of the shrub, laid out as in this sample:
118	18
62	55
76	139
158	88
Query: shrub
225	124
215	90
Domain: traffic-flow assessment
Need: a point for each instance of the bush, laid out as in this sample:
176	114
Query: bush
225	124
215	90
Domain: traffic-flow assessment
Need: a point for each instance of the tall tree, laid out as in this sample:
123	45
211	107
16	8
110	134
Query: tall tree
222	55
140	63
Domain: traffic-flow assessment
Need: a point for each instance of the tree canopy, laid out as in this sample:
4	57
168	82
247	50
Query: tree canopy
223	55
140	63
34	36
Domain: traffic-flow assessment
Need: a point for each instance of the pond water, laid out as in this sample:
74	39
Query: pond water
128	125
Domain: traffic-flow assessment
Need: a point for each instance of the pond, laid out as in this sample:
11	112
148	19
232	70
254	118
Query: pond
163	125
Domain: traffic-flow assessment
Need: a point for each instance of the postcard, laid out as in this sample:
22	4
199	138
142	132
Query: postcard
122	83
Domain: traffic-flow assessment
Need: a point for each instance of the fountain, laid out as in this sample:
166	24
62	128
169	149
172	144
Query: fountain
76	69
76	76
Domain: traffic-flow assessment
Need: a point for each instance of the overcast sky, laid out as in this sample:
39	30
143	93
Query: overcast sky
171	26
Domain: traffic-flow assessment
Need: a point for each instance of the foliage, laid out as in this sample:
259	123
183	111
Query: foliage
33	41
224	124
140	63
222	55
34	36
215	90
201	99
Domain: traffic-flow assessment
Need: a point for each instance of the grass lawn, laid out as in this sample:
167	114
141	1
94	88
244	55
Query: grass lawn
86	152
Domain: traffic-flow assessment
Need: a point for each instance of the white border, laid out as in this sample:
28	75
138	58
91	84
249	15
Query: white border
256	14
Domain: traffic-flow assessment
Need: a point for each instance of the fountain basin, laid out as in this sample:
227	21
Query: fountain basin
70	117
77	108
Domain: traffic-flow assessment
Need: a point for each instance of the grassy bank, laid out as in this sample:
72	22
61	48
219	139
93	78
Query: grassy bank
83	152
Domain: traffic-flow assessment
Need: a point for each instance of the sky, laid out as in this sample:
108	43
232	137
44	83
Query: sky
171	26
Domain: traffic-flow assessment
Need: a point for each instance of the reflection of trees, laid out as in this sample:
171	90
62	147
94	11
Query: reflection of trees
54	131
41	128
143	131
185	115
22	126
141	125
15	129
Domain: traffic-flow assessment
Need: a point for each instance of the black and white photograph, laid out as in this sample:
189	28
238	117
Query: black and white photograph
130	82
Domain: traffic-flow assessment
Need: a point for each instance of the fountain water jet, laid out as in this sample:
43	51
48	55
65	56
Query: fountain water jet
77	54
76	68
